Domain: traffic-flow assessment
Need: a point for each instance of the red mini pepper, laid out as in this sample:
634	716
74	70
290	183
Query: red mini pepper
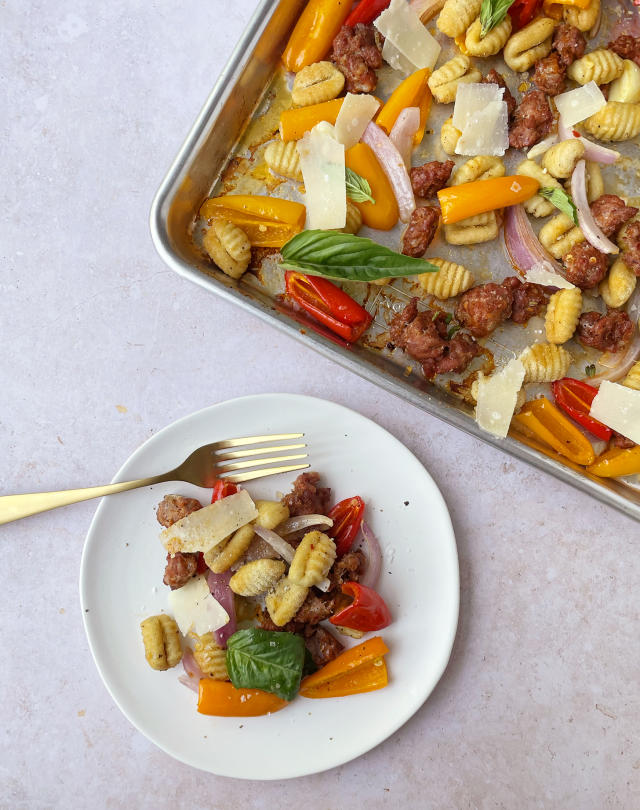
221	489
328	304
366	11
367	612
347	518
522	12
575	398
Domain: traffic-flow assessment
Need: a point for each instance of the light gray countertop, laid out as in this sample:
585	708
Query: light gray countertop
102	346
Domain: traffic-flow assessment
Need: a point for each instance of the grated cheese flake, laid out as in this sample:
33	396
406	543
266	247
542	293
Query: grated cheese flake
356	112
497	397
323	172
580	103
402	28
618	407
194	608
538	274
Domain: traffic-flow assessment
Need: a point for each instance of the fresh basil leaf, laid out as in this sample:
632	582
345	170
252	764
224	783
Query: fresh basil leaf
561	200
590	370
347	257
492	13
265	659
358	188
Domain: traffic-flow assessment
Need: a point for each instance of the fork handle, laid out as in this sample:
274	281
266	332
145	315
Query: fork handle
14	507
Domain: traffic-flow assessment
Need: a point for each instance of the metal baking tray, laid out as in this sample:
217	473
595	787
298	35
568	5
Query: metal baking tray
210	161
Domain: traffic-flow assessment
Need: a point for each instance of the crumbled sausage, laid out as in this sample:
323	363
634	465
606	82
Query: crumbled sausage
608	333
173	508
585	266
549	74
357	53
307	498
610	212
315	609
627	47
531	121
180	568
630	244
569	42
458	353
493	77
420	231
427	180
323	646
528	299
481	309
348	568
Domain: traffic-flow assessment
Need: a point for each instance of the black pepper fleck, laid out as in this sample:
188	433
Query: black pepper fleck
406	503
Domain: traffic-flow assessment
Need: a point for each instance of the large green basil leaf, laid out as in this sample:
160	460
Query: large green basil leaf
265	659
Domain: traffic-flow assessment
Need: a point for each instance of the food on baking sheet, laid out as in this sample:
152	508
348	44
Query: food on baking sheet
301	564
526	168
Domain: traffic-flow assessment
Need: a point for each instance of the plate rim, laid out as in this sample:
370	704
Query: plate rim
402	717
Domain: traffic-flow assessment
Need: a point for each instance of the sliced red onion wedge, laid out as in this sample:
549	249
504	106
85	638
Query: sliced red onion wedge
542	147
618	364
588	225
403	131
192	672
592	151
220	590
393	166
374	557
523	246
284	549
301	522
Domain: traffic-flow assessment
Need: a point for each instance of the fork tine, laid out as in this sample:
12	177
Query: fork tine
256	451
238	478
258	462
276	437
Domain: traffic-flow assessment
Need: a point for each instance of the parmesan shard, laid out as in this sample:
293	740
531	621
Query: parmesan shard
195	609
356	112
393	57
205	528
618	407
577	105
497	398
486	132
539	275
323	172
402	28
471	99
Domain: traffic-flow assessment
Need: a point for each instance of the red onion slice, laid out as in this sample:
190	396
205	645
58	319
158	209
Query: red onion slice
523	246
374	557
220	590
301	522
403	132
592	151
284	549
393	166
619	363
588	225
192	672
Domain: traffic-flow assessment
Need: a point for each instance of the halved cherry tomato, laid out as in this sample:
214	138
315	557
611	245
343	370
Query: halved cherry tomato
221	489
367	612
575	398
347	517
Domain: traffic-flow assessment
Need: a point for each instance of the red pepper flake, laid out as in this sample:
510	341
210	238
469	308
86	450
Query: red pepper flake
576	134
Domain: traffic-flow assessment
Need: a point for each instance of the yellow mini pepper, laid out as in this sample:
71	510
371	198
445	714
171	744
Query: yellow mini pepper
294	123
412	92
267	221
469	199
314	32
358	669
541	420
617	461
383	214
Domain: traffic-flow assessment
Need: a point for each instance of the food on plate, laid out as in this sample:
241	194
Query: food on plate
248	631
526	165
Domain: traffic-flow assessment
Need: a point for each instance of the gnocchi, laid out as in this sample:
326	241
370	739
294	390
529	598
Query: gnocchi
562	315
561	159
473	230
256	577
283	158
228	246
451	279
626	87
161	641
601	66
537	205
449	137
617	287
632	380
316	83
285	600
582	19
211	658
528	45
616	121
444	82
481	167
314	556
545	362
559	235
490	44
457	15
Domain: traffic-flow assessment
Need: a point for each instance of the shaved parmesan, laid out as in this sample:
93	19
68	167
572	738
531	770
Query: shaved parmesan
205	528
401	26
497	397
487	132
578	104
542	147
393	57
472	98
618	407
194	608
322	165
356	112
538	275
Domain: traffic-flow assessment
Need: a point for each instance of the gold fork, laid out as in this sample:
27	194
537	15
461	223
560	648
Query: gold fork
201	468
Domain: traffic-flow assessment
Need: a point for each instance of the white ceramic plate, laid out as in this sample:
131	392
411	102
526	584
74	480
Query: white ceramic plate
121	584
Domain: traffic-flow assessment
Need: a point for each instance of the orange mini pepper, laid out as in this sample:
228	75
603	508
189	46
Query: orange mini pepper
383	214
412	92
541	419
553	8
267	221
222	699
358	669
294	123
617	461
314	33
480	196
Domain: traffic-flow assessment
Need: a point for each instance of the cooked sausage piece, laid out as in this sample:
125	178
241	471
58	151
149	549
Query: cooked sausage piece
610	212
427	180
630	244
481	309
608	333
569	43
585	266
528	299
349	568
493	77
323	646
173	508
307	498
532	120
627	47
357	53
458	353
420	231
549	74
620	441
180	568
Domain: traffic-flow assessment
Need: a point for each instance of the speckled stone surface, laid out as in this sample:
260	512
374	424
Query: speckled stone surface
102	345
